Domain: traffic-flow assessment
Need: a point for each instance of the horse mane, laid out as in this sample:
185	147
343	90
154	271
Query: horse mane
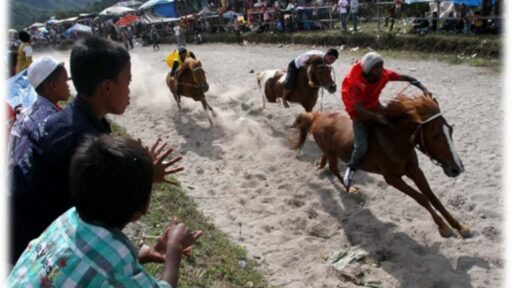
191	63
415	108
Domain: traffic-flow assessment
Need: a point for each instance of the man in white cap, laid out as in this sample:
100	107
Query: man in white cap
49	79
360	94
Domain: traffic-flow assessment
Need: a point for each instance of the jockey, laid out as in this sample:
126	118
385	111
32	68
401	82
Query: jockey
305	60
175	60
360	94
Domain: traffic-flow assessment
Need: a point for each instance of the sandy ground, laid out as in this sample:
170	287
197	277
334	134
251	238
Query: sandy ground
295	220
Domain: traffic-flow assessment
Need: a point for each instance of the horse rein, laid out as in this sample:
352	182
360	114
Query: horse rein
322	85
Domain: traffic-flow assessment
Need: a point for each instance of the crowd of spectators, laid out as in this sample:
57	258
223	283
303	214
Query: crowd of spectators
263	16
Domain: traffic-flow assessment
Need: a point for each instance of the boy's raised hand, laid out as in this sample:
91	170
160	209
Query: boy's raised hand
159	153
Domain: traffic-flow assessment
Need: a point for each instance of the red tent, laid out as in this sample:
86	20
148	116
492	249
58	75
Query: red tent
127	20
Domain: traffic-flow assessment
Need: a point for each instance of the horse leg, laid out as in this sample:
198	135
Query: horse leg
321	163
178	100
399	184
421	182
211	109
333	166
205	107
263	98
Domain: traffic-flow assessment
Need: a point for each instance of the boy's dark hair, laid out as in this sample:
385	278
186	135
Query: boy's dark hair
111	178
93	60
52	77
24	36
332	52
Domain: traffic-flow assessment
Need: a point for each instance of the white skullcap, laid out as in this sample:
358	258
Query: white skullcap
369	61
41	69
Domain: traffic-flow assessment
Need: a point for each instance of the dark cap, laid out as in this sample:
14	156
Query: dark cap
182	50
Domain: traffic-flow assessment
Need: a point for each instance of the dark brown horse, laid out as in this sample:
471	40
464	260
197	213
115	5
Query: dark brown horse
194	85
272	83
414	122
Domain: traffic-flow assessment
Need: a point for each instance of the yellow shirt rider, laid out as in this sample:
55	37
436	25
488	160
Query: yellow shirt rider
175	61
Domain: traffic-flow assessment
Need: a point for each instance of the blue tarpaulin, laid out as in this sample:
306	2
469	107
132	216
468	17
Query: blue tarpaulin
166	10
20	91
458	2
77	28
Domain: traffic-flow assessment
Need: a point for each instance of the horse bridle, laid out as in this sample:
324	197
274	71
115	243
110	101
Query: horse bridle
421	144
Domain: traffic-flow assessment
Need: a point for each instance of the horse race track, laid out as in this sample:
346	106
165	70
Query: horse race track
295	220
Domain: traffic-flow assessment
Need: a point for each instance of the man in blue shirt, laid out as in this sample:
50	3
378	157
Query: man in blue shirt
101	73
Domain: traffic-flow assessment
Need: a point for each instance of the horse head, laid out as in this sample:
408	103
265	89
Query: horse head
433	137
322	76
198	74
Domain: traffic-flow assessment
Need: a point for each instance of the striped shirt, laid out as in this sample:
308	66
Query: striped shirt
73	253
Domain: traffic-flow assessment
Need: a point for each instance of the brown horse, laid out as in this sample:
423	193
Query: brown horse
194	85
414	122
272	81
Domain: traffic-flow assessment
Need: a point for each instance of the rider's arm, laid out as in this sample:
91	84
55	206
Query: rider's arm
175	66
414	82
355	94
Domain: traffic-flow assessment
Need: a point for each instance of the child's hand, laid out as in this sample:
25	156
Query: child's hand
180	235
161	167
151	255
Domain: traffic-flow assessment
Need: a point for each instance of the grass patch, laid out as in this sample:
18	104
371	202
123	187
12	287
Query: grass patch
215	261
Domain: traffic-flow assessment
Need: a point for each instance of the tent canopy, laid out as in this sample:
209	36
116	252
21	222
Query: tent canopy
116	10
67	20
131	4
166	10
150	18
36	25
127	20
230	14
151	3
77	28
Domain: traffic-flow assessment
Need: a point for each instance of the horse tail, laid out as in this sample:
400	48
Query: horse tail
303	122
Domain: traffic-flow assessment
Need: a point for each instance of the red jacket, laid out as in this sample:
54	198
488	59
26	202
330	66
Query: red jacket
356	89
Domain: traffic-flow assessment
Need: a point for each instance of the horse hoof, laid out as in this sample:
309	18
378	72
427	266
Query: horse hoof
465	232
446	232
352	189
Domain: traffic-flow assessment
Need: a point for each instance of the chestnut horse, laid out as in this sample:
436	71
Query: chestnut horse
272	81
414	122
194	85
